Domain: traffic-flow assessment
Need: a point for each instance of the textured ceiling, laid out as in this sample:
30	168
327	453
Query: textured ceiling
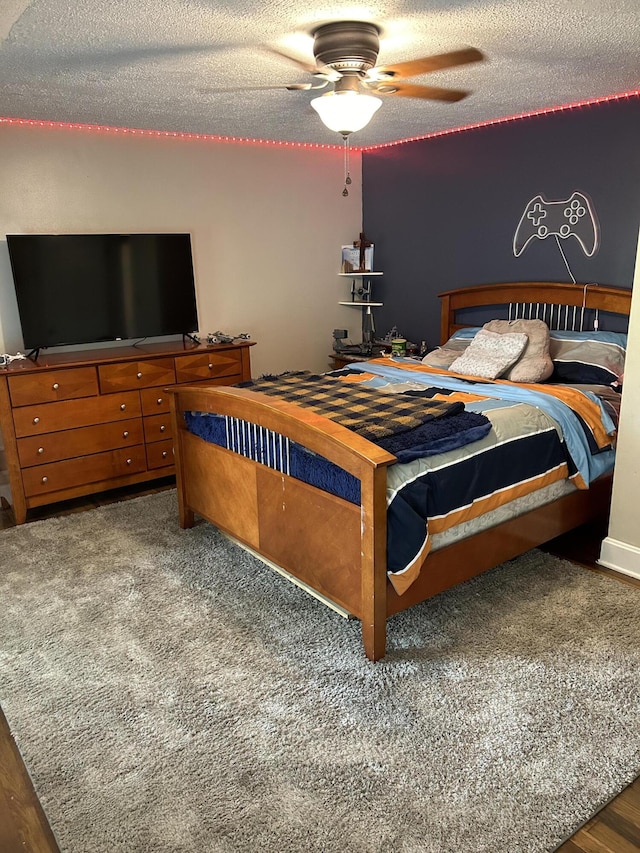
156	64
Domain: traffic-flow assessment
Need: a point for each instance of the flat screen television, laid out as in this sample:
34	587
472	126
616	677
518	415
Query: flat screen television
88	288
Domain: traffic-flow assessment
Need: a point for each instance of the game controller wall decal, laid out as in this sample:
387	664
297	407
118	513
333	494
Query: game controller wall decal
569	217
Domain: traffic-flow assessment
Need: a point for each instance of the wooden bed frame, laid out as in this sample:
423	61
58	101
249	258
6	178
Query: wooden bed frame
331	545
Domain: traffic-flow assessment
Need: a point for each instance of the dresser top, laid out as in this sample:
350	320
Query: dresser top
46	361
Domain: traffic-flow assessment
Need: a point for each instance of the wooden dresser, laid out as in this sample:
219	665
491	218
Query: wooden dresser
83	422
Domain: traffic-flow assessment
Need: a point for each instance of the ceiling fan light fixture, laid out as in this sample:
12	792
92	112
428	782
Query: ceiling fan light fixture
346	112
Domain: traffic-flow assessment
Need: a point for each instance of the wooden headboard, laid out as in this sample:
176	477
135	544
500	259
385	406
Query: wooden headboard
533	294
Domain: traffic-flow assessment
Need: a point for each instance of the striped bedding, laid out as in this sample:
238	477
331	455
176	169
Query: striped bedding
539	435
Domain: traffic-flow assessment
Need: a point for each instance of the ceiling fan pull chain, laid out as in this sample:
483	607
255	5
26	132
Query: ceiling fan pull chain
347	176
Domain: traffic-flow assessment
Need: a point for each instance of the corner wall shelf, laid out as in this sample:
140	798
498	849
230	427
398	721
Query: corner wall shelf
361	298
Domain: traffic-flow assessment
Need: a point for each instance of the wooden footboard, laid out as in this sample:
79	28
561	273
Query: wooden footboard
335	547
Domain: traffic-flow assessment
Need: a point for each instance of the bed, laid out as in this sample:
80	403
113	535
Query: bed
340	547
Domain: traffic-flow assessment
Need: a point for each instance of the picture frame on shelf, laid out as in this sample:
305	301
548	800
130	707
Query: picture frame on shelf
350	261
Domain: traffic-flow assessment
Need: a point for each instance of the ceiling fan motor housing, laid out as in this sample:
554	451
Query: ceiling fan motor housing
347	46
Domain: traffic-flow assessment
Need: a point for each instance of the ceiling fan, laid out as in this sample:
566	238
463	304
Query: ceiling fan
349	49
346	53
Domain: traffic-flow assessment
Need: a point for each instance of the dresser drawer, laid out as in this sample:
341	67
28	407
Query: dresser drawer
154	401
52	385
209	365
157	427
54	446
51	417
160	454
136	374
99	467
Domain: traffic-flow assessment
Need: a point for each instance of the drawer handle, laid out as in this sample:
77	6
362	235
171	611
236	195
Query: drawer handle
123	407
162	428
125	434
129	461
210	367
41	450
164	454
36	420
139	375
159	401
45	479
55	386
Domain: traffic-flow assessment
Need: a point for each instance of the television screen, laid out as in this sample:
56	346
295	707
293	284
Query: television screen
86	288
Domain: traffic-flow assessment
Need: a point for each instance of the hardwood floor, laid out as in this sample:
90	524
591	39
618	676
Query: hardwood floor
23	825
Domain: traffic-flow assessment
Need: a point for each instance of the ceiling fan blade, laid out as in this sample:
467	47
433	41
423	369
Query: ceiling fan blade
310	67
133	55
429	93
429	63
291	87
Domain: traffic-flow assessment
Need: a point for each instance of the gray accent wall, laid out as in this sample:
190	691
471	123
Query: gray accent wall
442	212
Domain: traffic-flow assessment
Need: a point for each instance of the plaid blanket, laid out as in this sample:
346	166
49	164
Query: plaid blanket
371	413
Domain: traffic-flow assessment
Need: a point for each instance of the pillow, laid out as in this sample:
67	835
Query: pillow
447	353
535	364
490	354
590	358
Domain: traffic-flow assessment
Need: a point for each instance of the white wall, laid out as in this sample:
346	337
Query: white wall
267	224
621	548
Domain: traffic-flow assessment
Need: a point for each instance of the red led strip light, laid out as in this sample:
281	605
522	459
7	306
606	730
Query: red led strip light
544	111
166	134
236	140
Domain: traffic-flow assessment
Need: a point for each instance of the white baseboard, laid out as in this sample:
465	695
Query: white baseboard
621	557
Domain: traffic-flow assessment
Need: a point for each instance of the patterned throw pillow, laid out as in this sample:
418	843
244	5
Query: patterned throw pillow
490	354
535	364
590	358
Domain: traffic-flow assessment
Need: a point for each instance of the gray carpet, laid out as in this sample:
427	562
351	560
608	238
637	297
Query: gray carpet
170	693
